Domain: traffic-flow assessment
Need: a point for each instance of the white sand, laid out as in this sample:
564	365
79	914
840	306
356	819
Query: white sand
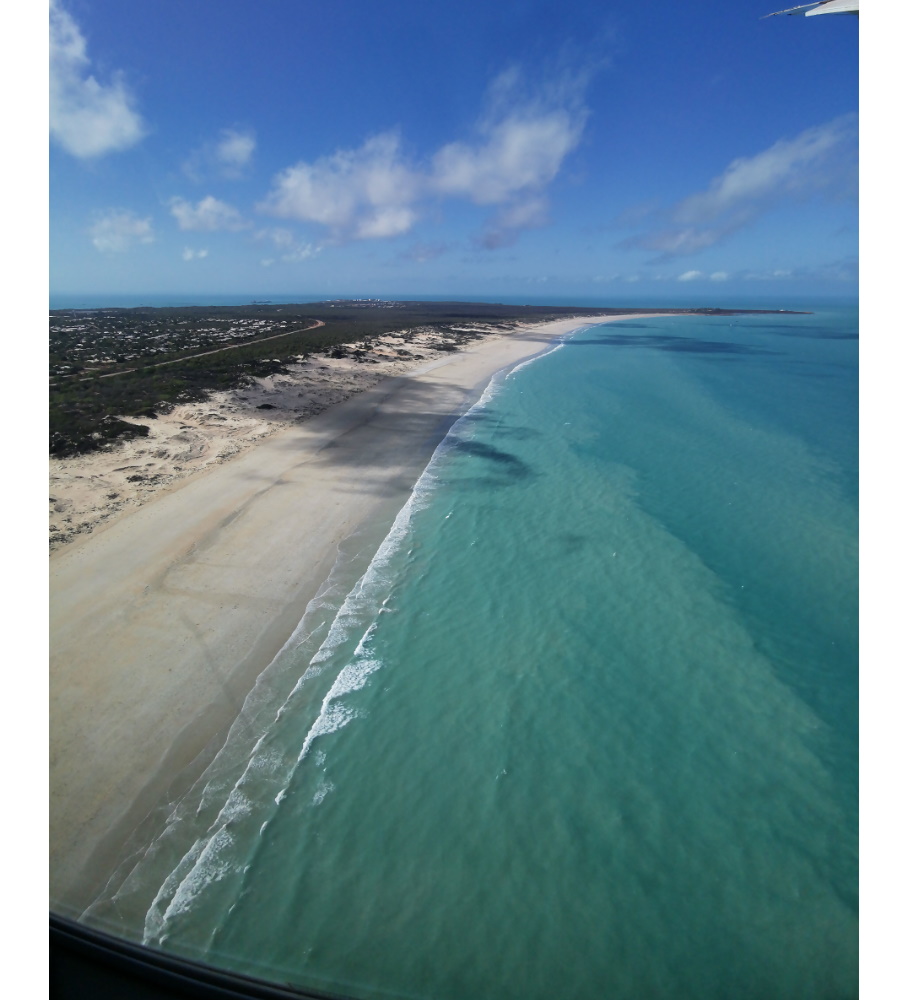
163	617
99	487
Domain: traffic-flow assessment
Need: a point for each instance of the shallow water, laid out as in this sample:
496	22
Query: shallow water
586	725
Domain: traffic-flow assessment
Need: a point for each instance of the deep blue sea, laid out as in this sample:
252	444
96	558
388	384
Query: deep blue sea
585	726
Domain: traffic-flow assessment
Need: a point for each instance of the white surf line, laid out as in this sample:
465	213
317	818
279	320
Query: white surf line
562	338
134	862
202	864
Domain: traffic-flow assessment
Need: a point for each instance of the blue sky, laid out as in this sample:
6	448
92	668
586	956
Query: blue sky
583	150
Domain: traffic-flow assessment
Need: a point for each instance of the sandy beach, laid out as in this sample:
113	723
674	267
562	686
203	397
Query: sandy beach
96	488
173	599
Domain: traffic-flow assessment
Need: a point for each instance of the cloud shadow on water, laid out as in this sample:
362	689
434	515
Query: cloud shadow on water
685	345
808	334
506	469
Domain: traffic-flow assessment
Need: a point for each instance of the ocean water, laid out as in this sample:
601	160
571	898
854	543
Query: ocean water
585	725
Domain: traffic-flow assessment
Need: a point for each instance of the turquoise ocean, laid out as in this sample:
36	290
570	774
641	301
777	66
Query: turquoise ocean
582	721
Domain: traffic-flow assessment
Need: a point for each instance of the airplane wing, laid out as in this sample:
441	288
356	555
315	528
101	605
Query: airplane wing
821	7
793	10
836	7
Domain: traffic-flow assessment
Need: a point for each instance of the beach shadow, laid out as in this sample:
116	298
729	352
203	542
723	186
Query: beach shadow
360	436
399	430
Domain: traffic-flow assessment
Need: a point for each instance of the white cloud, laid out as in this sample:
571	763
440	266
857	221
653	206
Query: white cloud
374	192
690	276
118	229
504	229
520	148
189	254
227	156
209	215
87	118
284	240
790	166
359	194
719	276
302	251
817	159
235	149
388	220
523	152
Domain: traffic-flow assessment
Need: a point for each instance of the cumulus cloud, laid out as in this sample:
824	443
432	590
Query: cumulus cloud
87	118
229	155
209	215
375	192
190	254
301	252
364	193
284	240
118	229
520	145
816	160
504	229
235	149
523	152
700	276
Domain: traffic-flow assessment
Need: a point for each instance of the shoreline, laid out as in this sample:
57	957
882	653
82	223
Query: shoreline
93	489
163	618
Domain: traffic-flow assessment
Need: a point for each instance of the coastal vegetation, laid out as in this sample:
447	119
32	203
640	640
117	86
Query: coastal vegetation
106	364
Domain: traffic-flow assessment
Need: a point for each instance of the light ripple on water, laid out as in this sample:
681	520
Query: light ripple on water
585	767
